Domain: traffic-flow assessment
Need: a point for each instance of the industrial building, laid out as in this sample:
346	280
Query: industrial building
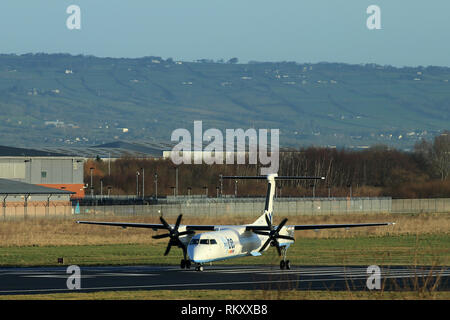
47	169
23	200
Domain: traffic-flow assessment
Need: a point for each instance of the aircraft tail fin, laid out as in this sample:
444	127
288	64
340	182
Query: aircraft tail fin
268	207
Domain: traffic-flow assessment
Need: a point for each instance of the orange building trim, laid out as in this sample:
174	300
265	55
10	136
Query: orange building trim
77	188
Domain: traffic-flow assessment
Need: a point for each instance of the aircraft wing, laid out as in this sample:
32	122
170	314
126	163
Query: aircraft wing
334	226
322	226
147	225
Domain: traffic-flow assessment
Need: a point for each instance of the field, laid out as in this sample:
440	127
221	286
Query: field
420	239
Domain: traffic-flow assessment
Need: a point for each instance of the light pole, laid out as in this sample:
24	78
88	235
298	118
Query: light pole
101	188
29	161
235	188
92	182
176	181
137	184
143	184
156	186
313	186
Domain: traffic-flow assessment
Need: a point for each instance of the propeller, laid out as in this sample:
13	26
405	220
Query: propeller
273	235
173	234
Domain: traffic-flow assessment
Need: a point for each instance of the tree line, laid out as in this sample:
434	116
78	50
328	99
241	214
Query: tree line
377	171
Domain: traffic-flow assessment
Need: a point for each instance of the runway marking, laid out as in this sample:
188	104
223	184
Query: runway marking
175	285
55	276
338	271
118	274
87	276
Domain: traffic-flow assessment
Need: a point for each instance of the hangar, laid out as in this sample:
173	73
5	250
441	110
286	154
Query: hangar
48	169
23	200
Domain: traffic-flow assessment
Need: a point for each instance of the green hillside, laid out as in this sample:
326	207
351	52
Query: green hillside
94	99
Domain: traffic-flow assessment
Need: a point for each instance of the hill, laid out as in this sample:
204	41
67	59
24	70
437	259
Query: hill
60	99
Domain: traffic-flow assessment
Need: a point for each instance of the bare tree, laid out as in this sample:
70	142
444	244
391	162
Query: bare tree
441	155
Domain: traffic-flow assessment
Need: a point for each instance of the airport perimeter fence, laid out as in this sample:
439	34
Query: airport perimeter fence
238	207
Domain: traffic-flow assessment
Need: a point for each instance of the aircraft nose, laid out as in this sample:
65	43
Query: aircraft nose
194	253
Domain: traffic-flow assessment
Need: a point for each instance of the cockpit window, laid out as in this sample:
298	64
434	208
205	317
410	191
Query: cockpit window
203	241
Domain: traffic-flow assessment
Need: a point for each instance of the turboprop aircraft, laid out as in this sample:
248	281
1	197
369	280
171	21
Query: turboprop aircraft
221	242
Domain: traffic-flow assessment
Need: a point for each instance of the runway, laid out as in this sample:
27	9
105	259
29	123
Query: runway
41	280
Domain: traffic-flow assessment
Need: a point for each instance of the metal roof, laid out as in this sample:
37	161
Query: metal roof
6	151
117	149
17	187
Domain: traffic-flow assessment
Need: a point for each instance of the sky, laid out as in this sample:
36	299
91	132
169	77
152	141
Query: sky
413	32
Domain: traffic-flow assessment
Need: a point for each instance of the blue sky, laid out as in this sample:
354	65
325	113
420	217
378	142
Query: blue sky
414	32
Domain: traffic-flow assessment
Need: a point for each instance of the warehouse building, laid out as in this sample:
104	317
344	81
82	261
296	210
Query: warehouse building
24	200
47	169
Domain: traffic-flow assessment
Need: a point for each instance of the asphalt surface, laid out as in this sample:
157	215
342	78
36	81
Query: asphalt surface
41	280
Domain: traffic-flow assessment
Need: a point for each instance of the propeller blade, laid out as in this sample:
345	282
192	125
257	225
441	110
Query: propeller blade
164	222
168	248
265	245
269	223
285	237
177	224
277	245
281	225
161	236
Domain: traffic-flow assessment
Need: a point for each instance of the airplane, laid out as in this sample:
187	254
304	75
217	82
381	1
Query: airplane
222	242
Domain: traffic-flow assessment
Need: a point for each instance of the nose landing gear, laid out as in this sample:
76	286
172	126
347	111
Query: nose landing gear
199	268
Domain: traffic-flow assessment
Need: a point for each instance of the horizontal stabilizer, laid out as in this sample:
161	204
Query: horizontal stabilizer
276	178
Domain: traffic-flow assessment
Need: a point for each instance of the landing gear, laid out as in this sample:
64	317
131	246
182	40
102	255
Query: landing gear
284	264
185	264
199	268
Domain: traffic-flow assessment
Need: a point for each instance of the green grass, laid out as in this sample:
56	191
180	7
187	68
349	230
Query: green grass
235	295
433	249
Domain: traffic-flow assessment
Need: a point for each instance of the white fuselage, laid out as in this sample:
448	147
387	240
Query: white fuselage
228	242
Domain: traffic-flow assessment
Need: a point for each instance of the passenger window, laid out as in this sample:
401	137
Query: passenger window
204	241
212	241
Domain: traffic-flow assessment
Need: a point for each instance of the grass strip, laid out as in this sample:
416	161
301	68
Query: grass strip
426	249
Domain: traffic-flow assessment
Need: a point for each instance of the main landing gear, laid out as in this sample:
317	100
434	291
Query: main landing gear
185	264
284	264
